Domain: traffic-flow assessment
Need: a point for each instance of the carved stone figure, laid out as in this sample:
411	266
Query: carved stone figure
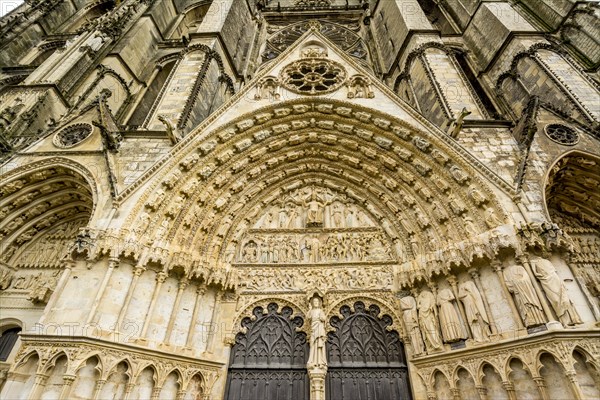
452	330
477	317
314	214
457	124
6	277
555	291
491	220
411	321
428	320
528	304
317	357
42	288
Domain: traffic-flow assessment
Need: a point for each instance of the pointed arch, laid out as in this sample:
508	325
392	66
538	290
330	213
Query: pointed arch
362	350
268	358
207	190
35	197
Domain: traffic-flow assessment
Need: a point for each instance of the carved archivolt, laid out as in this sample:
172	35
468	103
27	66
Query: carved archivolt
210	192
34	198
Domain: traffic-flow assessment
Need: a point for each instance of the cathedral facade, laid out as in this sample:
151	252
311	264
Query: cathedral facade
300	199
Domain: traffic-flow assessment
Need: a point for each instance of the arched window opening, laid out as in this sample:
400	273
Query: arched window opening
461	59
437	17
190	21
7	342
77	23
151	95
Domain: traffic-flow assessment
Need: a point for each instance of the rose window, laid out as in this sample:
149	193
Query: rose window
562	134
72	135
313	76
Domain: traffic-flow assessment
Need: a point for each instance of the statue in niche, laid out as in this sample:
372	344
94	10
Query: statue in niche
250	252
491	220
337	215
428	320
452	330
295	217
267	221
317	357
528	304
42	288
477	317
362	219
283	216
315	207
315	247
162	229
411	320
350	216
555	291
6	277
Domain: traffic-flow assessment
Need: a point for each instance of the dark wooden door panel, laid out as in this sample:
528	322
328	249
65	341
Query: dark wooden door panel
366	361
268	362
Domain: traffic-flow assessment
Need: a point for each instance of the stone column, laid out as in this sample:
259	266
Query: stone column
190	336
156	392
475	275
431	395
99	384
112	264
317	383
453	284
60	286
136	275
160	279
67	384
38	385
482	390
128	390
510	390
539	381
455	394
497	266
214	321
182	285
572	375
538	290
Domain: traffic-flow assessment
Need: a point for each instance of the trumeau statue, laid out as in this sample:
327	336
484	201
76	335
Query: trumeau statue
428	320
555	291
411	320
527	302
317	357
477	317
450	324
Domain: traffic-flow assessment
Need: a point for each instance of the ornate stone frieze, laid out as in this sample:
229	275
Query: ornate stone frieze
300	278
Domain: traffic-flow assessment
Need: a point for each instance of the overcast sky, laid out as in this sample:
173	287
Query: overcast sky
7	6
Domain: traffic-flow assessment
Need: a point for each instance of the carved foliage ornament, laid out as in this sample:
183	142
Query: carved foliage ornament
313	76
72	135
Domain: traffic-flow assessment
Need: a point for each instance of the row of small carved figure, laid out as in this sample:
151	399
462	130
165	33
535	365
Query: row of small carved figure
290	216
296	279
429	314
340	247
39	285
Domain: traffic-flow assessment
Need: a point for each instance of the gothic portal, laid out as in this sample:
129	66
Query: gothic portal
300	199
